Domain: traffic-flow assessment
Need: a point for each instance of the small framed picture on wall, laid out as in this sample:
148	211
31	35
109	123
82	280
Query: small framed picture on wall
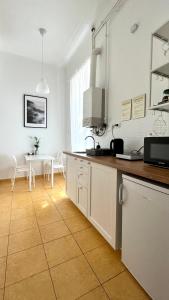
139	106
35	111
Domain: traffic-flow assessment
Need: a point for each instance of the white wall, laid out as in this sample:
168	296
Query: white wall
129	65
19	76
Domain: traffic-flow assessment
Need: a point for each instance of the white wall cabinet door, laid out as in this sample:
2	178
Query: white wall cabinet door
71	178
145	235
105	211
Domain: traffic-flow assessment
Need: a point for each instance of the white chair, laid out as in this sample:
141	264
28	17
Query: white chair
19	169
58	165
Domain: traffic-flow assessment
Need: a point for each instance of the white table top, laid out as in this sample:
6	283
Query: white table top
39	157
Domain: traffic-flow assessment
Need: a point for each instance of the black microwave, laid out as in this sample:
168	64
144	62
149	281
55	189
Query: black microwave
156	151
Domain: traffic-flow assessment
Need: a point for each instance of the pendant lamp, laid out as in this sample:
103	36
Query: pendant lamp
42	87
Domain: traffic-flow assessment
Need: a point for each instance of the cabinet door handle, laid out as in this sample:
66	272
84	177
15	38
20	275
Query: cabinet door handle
121	194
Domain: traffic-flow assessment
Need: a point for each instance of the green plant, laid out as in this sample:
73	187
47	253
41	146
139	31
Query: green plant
36	142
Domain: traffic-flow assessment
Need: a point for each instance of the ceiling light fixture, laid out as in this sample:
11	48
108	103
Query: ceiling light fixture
42	87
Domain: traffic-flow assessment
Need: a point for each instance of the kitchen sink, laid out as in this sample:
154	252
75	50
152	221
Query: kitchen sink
80	152
99	152
96	152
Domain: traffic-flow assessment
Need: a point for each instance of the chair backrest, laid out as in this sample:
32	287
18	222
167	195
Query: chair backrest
13	161
58	157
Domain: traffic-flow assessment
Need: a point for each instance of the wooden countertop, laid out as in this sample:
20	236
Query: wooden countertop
138	168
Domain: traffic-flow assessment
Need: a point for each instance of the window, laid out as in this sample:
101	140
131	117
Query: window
78	84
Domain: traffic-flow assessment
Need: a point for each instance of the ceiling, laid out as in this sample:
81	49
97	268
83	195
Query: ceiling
66	22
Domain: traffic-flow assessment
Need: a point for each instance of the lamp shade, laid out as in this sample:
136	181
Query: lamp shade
42	87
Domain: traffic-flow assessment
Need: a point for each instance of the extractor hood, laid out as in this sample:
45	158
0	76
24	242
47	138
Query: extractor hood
94	98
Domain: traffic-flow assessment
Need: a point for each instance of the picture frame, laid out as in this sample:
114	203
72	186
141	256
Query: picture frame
139	107
126	107
35	111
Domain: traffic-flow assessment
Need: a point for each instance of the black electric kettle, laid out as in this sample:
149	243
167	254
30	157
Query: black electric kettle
117	146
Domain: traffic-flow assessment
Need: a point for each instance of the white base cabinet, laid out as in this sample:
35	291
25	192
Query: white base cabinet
83	200
105	211
145	235
78	182
94	190
83	186
71	178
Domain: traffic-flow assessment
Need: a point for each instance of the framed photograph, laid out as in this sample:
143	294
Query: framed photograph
35	111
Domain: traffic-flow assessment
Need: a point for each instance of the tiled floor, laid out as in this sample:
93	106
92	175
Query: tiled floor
48	250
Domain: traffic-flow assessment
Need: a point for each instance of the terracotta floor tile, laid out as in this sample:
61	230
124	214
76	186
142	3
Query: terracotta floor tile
59	198
5	204
24	264
1	294
42	204
5	194
21	202
68	210
61	250
3	246
89	239
23	224
54	231
40	196
37	287
4	228
21	196
2	271
73	279
48	215
21	213
24	240
124	287
96	294
4	216
57	201
105	262
77	223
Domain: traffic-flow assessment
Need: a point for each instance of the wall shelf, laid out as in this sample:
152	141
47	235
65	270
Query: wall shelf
163	32
162	70
160	107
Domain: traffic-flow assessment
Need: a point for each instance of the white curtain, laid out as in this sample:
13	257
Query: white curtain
78	84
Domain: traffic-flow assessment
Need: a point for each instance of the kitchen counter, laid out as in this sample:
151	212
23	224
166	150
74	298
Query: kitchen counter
137	168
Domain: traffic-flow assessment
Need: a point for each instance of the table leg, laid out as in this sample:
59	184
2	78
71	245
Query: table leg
52	173
30	176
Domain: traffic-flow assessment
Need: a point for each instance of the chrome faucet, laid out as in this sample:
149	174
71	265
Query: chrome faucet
90	136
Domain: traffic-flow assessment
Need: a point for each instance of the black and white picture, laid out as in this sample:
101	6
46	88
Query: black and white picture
35	111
